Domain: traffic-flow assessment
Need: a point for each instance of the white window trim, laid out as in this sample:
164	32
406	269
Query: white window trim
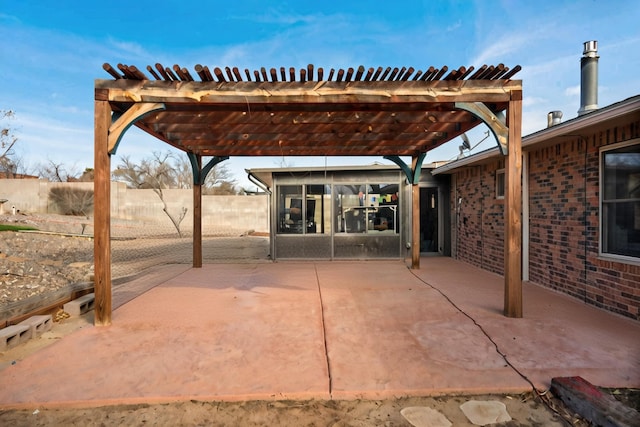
498	195
601	254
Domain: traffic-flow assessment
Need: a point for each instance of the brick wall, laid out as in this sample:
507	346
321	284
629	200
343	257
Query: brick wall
563	219
480	219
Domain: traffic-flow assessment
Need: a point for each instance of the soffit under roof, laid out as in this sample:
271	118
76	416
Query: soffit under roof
353	112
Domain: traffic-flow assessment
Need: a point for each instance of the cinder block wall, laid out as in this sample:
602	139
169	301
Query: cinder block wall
564	222
219	213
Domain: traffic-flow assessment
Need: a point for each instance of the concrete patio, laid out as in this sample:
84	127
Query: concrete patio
341	330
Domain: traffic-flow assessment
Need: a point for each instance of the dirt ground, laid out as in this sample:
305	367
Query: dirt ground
525	410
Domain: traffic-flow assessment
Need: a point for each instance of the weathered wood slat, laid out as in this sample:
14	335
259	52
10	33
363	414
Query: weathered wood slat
109	69
349	75
179	73
171	75
427	74
440	73
310	72
229	74
596	406
219	75
487	72
466	73
496	70
385	73
407	74
127	73
377	73
359	73
153	72
393	74
511	73
478	72
162	72
237	74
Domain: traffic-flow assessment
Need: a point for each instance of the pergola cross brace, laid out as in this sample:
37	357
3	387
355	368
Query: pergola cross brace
199	175
413	175
495	125
121	122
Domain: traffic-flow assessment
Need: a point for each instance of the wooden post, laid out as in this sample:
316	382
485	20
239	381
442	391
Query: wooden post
415	218
102	215
513	211
197	218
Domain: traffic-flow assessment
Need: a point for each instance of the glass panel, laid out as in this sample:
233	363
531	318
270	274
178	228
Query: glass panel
622	173
289	209
383	209
367	208
621	222
318	209
350	211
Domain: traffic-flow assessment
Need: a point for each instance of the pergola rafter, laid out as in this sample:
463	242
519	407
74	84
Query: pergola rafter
390	112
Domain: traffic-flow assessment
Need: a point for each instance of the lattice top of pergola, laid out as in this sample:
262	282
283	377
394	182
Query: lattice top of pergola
276	112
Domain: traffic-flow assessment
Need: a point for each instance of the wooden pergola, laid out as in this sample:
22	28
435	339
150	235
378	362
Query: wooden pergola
393	113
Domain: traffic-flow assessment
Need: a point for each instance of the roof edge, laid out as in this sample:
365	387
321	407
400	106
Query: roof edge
609	112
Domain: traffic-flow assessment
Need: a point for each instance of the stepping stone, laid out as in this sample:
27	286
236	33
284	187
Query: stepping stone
421	416
485	412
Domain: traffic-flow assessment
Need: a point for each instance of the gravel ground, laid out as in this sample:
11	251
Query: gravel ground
61	253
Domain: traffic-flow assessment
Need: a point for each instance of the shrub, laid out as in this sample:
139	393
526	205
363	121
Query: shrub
72	201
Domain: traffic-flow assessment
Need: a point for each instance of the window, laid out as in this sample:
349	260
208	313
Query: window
500	184
620	200
367	208
296	217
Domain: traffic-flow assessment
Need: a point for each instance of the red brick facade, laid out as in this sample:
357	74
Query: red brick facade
563	181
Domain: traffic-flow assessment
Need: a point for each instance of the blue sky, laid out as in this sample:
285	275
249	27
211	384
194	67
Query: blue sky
51	53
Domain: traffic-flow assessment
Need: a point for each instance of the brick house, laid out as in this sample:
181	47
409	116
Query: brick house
581	207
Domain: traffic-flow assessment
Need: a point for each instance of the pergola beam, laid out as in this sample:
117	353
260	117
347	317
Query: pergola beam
513	211
102	214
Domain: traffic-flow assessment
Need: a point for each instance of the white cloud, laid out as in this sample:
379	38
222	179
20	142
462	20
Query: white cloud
572	91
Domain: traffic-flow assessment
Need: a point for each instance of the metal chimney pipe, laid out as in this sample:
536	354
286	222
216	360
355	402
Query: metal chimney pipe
589	78
554	118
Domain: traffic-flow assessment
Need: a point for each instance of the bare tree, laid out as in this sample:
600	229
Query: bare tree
57	172
155	173
8	162
219	180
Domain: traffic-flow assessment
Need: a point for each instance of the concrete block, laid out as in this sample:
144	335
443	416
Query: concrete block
38	324
80	305
14	335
